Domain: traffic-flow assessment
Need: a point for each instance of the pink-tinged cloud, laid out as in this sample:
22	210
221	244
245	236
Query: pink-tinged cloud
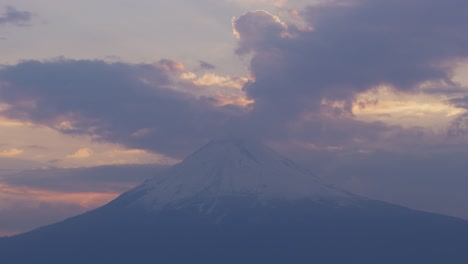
24	208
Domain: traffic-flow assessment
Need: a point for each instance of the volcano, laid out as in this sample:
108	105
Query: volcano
237	201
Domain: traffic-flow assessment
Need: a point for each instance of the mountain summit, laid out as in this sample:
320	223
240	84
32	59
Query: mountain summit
237	201
232	168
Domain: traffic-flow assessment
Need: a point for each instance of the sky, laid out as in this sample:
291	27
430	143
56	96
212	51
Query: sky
96	96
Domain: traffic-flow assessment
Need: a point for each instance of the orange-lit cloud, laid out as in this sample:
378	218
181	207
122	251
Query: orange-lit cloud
10	153
225	89
82	153
188	76
136	156
45	147
211	79
86	200
170	66
6	122
223	100
384	104
19	203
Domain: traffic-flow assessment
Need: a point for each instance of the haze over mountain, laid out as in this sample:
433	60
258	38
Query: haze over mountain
237	201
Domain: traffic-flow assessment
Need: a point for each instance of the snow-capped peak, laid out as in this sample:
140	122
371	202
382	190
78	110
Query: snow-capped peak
232	168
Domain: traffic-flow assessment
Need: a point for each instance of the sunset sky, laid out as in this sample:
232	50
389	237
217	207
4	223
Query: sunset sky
96	96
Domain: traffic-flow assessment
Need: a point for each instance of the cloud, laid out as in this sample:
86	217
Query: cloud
114	102
23	208
15	17
256	30
33	198
211	79
304	81
10	153
82	153
342	51
459	126
351	49
10	164
44	147
188	76
170	66
252	4
461	102
206	66
109	178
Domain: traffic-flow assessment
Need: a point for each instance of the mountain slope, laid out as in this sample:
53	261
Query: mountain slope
240	202
232	168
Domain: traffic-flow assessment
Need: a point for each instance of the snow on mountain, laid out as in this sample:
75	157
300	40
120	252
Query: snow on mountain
232	168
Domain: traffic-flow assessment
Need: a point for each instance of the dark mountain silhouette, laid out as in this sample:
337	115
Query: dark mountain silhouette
239	202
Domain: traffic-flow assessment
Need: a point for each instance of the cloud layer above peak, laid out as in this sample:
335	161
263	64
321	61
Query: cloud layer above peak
304	80
142	106
346	49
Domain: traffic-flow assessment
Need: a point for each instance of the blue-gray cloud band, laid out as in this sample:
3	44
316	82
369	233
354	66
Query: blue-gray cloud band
14	16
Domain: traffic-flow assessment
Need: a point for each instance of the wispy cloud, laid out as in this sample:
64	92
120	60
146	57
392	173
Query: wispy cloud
82	153
206	66
10	153
13	16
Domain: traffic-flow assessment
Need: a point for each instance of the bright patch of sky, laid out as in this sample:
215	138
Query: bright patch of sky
44	147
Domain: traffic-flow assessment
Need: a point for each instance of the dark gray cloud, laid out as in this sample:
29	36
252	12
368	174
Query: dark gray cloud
345	50
342	50
139	106
461	102
459	126
15	17
351	48
444	90
206	66
348	49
